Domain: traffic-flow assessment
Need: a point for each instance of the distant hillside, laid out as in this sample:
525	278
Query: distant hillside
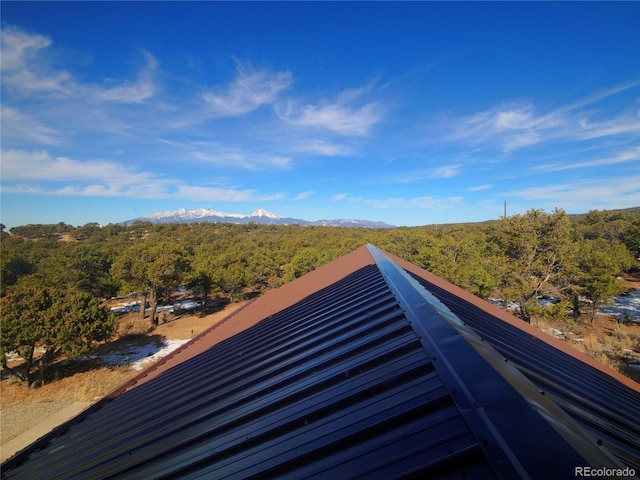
627	211
635	211
260	215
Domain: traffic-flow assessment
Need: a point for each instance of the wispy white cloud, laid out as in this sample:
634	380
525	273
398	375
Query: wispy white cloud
601	95
479	188
225	156
348	115
341	119
228	156
621	157
41	173
22	67
213	194
26	70
18	47
349	95
152	190
28	82
18	125
303	195
248	91
39	96
600	193
402	203
446	171
516	125
427	203
339	197
315	146
148	191
443	171
18	165
132	92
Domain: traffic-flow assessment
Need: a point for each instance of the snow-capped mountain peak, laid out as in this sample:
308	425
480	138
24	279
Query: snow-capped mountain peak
191	214
264	213
183	214
259	215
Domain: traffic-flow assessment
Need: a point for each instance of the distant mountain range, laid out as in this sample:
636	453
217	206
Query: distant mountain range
260	215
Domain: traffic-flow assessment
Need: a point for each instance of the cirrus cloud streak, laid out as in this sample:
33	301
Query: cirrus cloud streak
38	172
516	125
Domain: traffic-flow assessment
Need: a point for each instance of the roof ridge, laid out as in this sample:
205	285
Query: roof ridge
429	317
510	319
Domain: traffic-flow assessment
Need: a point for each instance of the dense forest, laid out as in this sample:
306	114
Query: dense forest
571	260
517	259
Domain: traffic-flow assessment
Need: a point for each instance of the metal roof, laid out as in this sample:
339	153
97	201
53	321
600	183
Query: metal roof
596	401
374	373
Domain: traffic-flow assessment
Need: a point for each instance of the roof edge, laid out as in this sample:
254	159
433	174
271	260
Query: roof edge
470	388
515	322
257	310
245	317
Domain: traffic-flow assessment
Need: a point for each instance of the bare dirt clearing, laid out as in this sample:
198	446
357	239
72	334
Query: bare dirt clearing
109	366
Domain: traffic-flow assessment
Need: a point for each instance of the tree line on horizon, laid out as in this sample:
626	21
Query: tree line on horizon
53	275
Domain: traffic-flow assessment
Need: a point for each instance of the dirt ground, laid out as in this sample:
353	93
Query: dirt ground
87	380
614	344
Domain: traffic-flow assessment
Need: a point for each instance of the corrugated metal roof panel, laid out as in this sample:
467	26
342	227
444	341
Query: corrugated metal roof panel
322	386
364	378
603	406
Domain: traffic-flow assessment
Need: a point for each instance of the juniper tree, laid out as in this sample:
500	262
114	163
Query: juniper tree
41	324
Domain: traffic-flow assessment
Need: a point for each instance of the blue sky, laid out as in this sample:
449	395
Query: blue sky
409	113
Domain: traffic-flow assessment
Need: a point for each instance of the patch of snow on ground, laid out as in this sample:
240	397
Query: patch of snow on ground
188	304
548	301
136	357
14	357
624	304
498	302
139	356
126	307
183	305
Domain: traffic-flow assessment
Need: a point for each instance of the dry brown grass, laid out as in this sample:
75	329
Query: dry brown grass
21	409
609	342
81	387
